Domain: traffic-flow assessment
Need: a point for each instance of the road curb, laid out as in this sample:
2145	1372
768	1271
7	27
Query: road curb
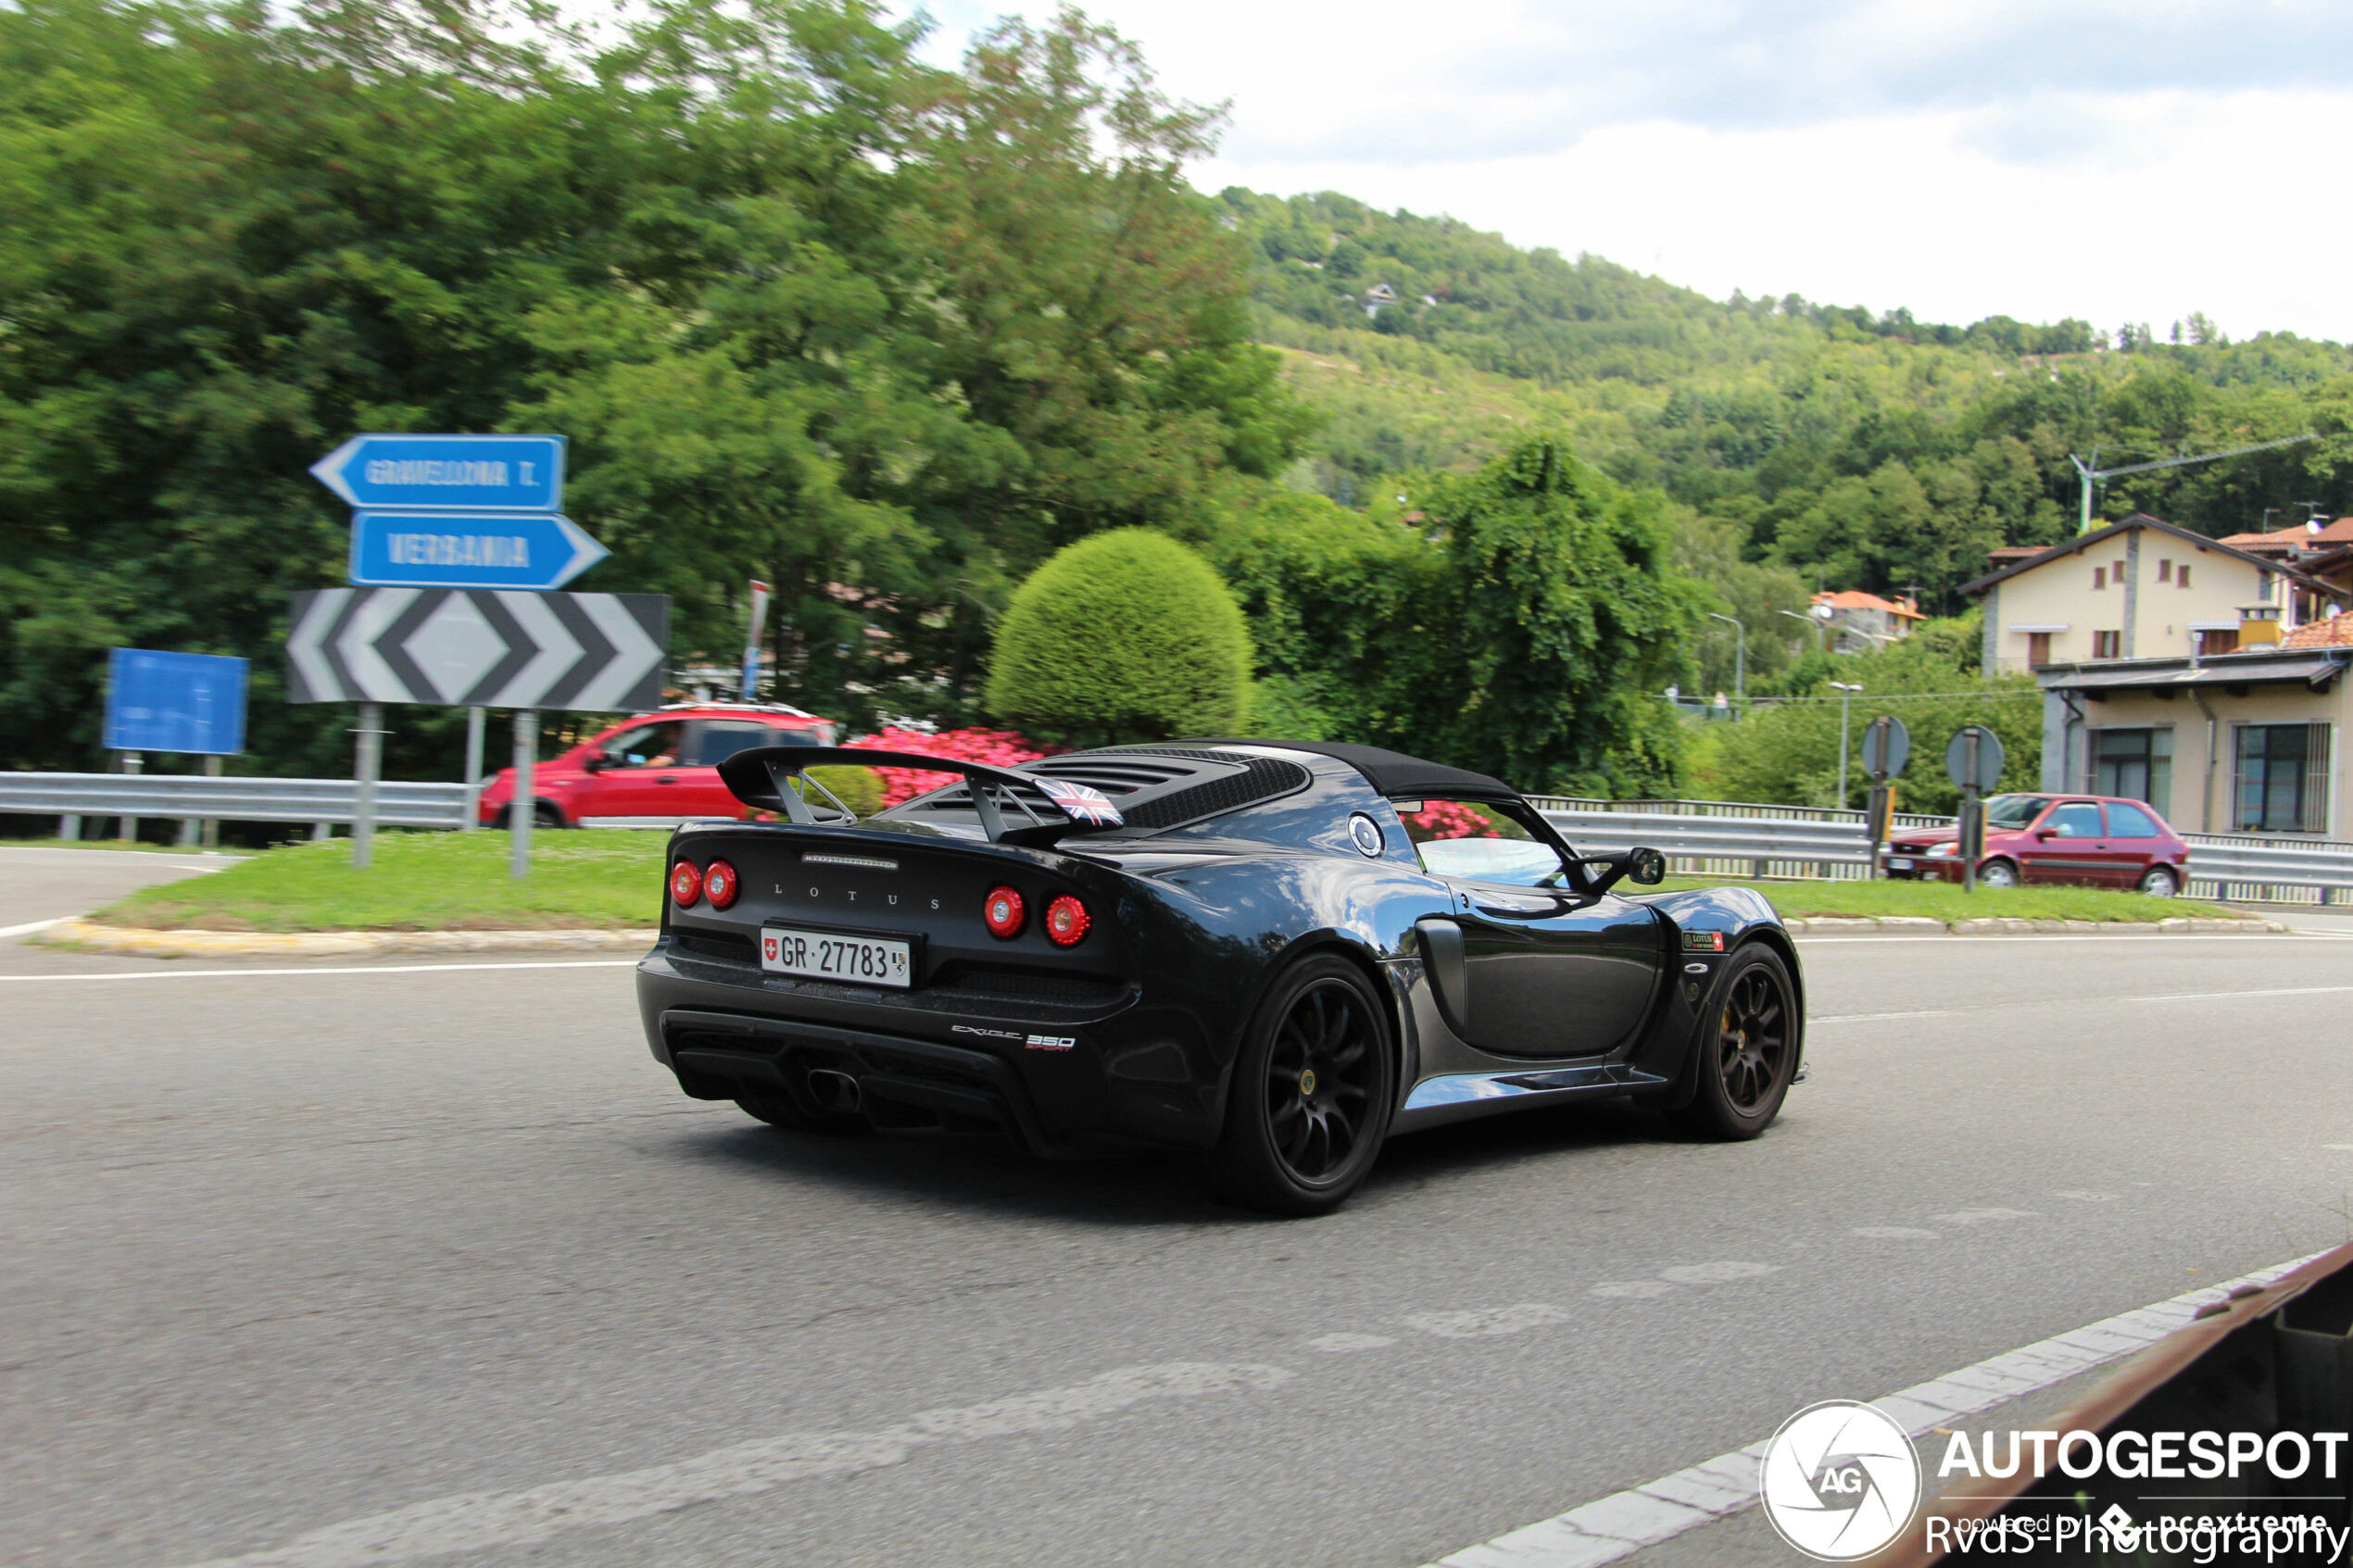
2001	926
90	937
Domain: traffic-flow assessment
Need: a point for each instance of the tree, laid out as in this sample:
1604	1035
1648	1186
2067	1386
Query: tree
1125	637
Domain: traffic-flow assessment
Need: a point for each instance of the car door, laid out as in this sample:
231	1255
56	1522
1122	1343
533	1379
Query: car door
2134	841
2070	845
637	773
1546	971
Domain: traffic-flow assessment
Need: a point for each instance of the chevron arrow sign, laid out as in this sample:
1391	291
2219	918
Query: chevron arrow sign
479	648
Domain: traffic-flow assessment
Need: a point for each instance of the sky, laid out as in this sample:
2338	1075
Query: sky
2118	160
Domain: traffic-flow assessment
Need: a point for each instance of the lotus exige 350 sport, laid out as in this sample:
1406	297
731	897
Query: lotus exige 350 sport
1273	953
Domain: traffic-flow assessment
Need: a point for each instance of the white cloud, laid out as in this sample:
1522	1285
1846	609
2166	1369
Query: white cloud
2114	160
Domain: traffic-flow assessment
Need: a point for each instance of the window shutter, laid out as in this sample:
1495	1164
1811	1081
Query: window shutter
2316	780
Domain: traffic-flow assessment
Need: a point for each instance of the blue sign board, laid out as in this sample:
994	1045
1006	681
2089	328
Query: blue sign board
514	473
191	702
529	550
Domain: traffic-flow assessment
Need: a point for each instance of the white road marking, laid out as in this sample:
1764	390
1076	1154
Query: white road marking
1716	1273
2170	938
355	969
1340	1343
1985	1216
478	1521
1486	1323
2222	995
1625	1523
1638	1289
31	926
1879	1017
1895	1232
2088	1196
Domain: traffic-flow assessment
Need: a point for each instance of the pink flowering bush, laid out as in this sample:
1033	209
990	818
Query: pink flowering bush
1001	748
1449	819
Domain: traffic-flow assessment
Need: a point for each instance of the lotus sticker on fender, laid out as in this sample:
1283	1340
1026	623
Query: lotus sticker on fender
1703	941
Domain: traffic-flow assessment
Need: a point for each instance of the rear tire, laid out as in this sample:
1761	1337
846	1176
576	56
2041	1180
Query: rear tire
1750	1043
1997	873
2160	882
778	1110
1309	1101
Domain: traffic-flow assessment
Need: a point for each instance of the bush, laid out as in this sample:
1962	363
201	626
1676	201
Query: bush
1125	637
861	789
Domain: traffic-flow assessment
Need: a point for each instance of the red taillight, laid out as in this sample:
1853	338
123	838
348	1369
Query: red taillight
720	883
1002	911
1066	921
685	883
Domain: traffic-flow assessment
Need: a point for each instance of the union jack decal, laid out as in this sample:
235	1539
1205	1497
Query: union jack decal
1082	803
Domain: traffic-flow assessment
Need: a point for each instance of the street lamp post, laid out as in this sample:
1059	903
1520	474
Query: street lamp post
1812	626
1845	711
1740	656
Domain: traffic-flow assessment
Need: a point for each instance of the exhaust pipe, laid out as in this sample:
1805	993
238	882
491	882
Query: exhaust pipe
835	1092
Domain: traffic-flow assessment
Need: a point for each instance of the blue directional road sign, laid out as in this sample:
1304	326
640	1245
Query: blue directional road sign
469	550
514	473
191	702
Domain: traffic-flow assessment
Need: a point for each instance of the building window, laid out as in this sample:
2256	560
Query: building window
2281	781
2182	576
2108	644
2099	577
2136	765
2038	649
2165	571
2222	639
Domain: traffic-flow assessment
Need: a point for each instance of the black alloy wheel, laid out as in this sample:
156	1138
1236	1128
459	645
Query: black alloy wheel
1317	1079
1752	1036
1746	1055
1310	1097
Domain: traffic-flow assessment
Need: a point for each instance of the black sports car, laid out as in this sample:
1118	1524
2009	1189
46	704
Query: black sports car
1275	953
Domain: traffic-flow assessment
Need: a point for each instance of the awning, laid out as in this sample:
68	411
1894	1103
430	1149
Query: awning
2171	674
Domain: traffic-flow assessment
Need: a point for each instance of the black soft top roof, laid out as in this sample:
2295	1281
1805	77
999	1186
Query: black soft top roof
1390	772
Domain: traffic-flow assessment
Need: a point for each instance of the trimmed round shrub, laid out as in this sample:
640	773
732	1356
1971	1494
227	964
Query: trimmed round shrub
1125	637
861	789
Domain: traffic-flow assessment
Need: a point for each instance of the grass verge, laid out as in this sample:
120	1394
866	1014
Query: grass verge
602	879
1943	900
588	879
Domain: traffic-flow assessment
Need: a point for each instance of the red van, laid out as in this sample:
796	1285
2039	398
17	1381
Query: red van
2086	840
656	770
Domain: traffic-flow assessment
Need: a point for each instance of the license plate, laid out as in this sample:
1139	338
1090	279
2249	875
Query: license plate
1899	862
824	955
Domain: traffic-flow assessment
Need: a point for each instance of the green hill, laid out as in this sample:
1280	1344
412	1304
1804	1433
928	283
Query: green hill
1809	443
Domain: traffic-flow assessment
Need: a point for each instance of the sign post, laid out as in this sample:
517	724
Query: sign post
366	766
1973	762
1887	745
184	702
477	514
751	641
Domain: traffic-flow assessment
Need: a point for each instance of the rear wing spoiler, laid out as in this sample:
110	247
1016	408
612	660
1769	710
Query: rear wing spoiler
762	777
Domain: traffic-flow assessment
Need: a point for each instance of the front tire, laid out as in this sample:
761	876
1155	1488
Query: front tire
1997	873
2161	882
1309	1101
1748	1049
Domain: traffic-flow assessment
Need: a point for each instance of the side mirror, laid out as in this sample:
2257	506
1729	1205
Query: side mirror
596	762
1645	868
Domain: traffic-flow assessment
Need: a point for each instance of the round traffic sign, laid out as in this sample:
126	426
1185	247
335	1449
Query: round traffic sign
1975	750
1887	745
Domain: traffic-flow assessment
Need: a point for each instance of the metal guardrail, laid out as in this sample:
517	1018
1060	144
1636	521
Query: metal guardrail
1699	837
200	798
2233	869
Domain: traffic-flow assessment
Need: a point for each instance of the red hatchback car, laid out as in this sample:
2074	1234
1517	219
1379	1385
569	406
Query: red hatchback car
655	770
2086	840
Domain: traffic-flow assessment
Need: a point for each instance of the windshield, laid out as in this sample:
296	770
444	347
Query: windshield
2014	811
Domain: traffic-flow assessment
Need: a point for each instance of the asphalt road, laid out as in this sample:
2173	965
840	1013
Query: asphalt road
374	1262
42	883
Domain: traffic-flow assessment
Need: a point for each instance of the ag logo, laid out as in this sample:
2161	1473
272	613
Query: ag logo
1839	1481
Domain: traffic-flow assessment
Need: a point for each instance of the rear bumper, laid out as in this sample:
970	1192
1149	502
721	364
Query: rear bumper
1062	1082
